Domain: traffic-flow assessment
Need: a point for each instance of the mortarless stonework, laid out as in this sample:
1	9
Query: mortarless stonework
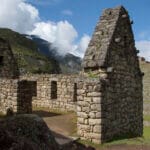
107	95
120	100
8	65
15	94
66	90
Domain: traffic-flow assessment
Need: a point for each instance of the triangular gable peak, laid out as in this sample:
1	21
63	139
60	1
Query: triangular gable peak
112	42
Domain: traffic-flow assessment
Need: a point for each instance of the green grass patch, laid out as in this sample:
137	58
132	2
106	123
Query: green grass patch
52	110
146	101
1	114
146	117
145	140
92	75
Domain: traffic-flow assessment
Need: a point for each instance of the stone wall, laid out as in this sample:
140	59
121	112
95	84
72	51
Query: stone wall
15	96
8	66
8	95
112	50
54	91
89	109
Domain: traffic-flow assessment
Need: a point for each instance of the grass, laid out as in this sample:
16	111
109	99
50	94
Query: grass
52	110
145	140
146	101
145	67
27	55
1	114
92	75
146	117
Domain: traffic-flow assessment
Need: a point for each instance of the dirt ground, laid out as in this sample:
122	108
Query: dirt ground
63	127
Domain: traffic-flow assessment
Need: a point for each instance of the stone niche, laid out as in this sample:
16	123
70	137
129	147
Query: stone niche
110	103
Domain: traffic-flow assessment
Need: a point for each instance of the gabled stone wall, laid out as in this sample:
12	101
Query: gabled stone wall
112	49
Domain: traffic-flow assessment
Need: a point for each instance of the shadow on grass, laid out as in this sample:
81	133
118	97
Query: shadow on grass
43	113
67	143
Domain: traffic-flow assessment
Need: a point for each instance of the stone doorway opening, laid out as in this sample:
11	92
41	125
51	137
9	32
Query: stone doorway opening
53	89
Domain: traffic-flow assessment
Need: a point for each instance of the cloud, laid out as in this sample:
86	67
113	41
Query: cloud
82	46
67	12
144	47
18	15
23	17
62	35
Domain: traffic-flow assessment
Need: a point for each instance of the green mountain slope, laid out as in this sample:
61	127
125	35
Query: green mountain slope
27	55
145	67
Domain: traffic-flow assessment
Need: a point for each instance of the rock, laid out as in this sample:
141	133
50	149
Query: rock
24	132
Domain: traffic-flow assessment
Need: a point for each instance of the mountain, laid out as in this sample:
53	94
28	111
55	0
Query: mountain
29	59
35	55
145	67
69	63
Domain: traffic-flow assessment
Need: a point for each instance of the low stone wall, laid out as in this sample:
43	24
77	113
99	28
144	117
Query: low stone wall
55	91
89	110
16	96
8	95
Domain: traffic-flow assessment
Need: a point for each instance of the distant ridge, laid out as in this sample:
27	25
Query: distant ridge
29	59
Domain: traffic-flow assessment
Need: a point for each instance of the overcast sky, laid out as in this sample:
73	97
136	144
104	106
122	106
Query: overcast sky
69	24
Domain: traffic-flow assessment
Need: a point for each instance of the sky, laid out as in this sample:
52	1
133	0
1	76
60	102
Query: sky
69	24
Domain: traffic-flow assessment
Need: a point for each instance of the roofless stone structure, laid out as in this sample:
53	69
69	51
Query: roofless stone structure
107	96
111	105
8	65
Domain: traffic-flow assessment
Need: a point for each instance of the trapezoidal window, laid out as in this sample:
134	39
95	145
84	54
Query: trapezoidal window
75	93
1	60
53	90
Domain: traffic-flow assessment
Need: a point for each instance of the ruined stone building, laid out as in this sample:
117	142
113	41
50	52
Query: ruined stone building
107	95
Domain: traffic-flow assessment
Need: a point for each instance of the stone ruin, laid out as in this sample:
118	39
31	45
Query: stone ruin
8	65
107	95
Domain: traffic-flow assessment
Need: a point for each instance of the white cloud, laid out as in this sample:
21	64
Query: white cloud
82	46
67	12
144	47
62	34
18	15
24	18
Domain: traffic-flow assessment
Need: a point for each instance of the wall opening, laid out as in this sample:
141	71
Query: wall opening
75	93
53	90
1	60
125	41
34	88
